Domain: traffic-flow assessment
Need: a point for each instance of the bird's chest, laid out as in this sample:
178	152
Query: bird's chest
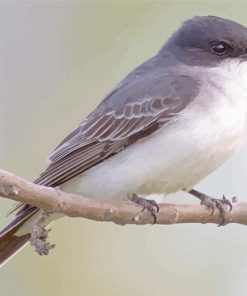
220	120
212	131
205	135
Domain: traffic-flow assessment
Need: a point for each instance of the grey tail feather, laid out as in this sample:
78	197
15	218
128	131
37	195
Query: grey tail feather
11	243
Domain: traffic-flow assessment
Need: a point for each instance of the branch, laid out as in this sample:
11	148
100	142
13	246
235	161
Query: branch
126	212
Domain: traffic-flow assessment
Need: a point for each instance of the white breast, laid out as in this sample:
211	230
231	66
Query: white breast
207	133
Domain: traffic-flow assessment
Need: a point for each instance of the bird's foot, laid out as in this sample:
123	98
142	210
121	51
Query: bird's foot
147	204
214	203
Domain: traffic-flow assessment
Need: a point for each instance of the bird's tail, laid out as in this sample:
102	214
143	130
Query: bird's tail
16	235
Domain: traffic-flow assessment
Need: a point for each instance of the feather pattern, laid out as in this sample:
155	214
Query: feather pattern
112	127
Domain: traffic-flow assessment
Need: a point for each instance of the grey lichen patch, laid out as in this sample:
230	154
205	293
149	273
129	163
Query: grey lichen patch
136	218
10	189
39	235
173	219
62	206
107	213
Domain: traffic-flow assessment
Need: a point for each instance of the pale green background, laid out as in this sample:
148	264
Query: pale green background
57	61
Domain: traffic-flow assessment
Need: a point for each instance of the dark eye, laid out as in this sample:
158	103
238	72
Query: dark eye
220	48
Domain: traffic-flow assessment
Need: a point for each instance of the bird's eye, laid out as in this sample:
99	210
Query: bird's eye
220	48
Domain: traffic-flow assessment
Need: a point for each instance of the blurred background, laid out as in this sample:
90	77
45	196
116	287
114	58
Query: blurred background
57	61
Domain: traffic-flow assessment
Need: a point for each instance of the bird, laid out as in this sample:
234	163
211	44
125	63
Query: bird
167	125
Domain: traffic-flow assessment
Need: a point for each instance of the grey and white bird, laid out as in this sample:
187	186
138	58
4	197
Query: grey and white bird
166	126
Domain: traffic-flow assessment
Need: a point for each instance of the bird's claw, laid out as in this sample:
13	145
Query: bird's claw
215	203
147	204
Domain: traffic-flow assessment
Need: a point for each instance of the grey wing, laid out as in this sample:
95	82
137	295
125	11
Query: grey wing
125	116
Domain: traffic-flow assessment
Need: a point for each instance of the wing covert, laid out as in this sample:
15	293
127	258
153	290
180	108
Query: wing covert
126	116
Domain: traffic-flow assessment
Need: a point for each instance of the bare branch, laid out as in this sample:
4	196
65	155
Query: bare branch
72	205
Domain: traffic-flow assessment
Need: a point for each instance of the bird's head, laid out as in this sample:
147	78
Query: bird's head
208	41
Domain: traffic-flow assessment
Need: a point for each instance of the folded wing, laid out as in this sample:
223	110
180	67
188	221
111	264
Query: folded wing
119	122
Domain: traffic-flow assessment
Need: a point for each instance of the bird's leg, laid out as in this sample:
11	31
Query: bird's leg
213	203
147	204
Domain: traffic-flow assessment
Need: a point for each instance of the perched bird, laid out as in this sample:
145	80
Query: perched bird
166	126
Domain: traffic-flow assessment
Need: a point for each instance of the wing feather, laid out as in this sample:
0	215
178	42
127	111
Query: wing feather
119	122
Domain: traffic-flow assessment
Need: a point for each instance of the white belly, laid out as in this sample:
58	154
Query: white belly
165	163
176	157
